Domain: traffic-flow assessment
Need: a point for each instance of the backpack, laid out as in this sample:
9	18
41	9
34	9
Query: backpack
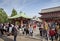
14	31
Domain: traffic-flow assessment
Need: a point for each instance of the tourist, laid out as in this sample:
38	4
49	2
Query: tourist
1	28
15	30
59	33
10	29
31	30
52	33
4	28
27	31
56	30
23	29
41	29
7	28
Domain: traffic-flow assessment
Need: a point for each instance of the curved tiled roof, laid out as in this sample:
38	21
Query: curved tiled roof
53	9
20	15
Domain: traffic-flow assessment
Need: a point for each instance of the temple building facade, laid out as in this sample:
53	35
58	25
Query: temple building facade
51	14
20	19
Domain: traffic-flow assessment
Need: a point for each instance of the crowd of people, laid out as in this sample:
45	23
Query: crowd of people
51	31
13	29
8	29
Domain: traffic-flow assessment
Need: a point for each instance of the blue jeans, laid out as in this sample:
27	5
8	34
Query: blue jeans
15	38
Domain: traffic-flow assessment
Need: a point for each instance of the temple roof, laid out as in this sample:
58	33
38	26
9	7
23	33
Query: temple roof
54	16
19	15
53	9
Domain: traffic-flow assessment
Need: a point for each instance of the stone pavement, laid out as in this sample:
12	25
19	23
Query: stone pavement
22	38
19	38
5	38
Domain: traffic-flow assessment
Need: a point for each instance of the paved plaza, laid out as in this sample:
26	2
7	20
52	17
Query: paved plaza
19	38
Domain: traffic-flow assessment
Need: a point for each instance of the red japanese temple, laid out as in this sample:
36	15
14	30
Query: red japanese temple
50	14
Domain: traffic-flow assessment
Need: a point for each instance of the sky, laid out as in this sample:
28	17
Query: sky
30	7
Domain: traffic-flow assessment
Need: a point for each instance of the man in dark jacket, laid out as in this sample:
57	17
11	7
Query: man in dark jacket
15	30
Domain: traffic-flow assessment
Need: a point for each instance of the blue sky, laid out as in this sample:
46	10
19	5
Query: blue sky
30	7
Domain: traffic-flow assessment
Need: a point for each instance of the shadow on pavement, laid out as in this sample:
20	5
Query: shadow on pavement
5	38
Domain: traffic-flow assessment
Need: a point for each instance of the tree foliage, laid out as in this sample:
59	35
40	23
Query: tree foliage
14	12
3	16
21	12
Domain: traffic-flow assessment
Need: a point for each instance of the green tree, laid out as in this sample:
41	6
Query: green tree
14	12
3	16
21	12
